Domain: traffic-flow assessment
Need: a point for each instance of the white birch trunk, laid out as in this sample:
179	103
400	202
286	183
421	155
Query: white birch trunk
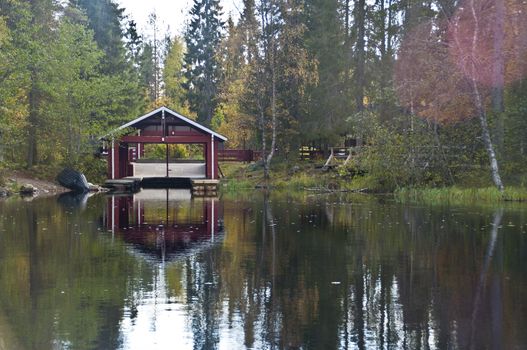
480	108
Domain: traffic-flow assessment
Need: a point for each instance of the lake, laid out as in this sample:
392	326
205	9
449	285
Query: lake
159	270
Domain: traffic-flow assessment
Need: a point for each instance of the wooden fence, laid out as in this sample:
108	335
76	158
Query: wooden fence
237	155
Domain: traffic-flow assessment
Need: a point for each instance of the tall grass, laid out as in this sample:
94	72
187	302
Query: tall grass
298	181
460	195
236	185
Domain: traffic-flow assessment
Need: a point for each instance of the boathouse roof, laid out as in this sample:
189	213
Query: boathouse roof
165	110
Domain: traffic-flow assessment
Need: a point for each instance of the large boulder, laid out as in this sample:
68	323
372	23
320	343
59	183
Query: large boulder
73	180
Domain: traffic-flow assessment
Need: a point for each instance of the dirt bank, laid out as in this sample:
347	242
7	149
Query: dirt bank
16	179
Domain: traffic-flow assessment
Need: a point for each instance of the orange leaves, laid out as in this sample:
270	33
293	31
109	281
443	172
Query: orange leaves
484	41
426	81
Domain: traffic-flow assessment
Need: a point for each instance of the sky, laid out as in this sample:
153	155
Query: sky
171	13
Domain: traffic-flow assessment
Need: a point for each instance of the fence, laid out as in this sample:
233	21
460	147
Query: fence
236	155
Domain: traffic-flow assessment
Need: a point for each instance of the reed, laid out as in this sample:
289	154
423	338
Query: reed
236	185
460	195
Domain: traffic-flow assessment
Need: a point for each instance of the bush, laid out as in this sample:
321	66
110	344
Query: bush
2	176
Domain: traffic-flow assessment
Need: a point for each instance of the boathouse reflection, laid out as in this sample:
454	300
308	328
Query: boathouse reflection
165	223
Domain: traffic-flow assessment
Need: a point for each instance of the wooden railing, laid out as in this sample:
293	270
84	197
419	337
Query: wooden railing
310	153
237	155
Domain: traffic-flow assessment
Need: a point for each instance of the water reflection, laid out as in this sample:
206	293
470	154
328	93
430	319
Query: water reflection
75	201
289	272
165	223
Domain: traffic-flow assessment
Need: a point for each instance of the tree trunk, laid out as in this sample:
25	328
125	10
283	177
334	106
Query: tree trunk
273	119
485	133
360	15
480	108
32	121
498	73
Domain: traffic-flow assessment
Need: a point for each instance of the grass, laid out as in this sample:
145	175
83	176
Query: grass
302	176
298	181
284	176
461	195
236	185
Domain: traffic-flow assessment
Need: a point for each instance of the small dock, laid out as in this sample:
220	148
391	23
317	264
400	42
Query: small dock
199	187
129	184
205	188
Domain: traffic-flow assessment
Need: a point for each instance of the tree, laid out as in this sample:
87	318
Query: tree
325	43
76	91
296	73
133	43
360	55
41	26
266	68
202	69
173	75
443	92
104	18
466	36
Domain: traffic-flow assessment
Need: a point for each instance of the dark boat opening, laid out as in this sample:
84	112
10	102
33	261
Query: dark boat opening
166	182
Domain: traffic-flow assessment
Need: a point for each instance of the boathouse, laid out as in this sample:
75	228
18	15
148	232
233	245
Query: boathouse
126	147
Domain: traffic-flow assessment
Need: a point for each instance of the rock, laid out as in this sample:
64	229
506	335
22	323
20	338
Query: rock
73	180
28	190
96	188
294	170
333	186
4	192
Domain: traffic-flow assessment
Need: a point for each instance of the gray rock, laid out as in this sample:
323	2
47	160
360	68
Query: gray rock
94	188
28	189
73	180
294	170
4	192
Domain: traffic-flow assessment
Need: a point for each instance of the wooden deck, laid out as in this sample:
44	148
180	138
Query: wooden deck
129	184
199	187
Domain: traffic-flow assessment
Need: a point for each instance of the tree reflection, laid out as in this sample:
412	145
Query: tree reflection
383	277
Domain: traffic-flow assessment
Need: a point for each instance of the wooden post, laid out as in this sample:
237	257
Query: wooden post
216	165
123	161
139	146
116	160
165	133
110	161
213	176
208	160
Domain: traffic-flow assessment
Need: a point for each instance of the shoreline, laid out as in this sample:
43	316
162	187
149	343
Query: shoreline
15	180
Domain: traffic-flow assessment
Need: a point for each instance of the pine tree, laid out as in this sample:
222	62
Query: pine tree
104	18
325	40
202	69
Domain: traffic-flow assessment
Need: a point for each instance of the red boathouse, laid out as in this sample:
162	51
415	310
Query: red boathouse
163	126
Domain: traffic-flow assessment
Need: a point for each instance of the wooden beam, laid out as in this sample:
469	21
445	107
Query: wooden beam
168	139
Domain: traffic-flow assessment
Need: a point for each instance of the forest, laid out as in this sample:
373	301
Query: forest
436	90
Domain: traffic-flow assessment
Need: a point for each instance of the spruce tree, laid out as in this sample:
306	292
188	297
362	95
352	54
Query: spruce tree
104	18
202	69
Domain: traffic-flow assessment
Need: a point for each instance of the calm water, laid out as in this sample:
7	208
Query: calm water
162	271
